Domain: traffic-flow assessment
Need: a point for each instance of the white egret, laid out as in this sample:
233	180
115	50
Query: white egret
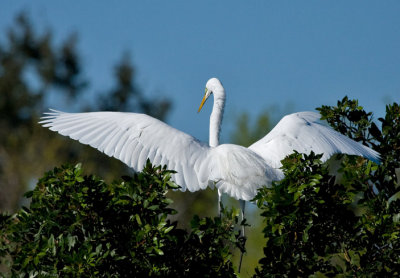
232	169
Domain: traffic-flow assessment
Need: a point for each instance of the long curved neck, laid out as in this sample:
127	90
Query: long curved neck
216	116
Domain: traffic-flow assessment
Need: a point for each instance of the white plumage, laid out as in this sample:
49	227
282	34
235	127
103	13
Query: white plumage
233	169
303	132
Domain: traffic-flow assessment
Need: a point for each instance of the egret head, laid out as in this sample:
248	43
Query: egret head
212	86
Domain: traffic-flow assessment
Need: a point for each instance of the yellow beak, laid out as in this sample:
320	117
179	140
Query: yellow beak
202	102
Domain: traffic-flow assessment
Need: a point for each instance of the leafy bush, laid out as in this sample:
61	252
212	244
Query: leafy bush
324	224
80	226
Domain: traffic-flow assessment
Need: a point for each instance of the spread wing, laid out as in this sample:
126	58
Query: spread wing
304	133
132	138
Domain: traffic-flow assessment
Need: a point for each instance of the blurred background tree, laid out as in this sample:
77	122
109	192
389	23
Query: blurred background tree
33	70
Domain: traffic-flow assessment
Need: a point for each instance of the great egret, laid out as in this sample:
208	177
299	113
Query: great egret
232	169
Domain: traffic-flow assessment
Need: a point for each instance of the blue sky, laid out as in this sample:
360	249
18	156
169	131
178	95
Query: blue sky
268	54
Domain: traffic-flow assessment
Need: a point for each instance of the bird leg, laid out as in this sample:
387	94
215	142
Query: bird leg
242	207
219	203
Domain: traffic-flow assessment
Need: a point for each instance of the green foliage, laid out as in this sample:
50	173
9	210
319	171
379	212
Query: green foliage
79	226
350	119
323	224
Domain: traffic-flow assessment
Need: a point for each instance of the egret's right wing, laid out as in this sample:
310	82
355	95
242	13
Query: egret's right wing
132	138
303	132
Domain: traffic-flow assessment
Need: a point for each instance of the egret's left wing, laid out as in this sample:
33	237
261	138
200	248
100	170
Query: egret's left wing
304	133
132	138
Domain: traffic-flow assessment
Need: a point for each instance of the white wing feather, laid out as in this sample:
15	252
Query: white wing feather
304	133
132	138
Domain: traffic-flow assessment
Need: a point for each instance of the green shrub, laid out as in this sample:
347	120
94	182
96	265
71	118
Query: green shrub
79	226
345	224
